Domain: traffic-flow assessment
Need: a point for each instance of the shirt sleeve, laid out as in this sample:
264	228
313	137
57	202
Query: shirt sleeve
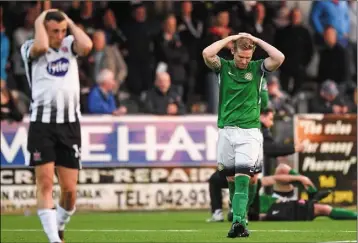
25	50
68	43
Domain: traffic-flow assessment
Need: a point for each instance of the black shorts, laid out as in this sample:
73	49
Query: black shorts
298	210
60	143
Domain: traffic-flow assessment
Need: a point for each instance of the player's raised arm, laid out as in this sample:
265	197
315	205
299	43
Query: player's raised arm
82	44
210	53
41	43
275	58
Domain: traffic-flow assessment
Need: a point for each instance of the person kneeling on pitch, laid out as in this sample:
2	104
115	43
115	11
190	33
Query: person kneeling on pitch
54	138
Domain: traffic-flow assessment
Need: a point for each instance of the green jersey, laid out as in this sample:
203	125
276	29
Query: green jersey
240	94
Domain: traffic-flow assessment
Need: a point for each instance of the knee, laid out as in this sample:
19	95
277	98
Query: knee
213	177
282	169
45	186
321	209
68	189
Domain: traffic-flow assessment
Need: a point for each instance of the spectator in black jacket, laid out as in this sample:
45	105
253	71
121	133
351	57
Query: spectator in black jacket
169	49
271	149
328	101
296	44
333	62
164	98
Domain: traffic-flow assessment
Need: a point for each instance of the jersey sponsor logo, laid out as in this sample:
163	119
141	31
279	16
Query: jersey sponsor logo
248	76
275	212
59	67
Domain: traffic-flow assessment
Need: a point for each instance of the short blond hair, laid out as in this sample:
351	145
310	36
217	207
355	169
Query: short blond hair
244	44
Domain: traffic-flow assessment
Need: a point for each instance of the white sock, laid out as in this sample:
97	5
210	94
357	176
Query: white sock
63	216
49	224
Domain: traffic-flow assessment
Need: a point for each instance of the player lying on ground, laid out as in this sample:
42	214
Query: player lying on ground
282	206
240	139
270	149
54	134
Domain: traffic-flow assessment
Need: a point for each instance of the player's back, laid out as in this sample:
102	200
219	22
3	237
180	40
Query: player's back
239	99
54	82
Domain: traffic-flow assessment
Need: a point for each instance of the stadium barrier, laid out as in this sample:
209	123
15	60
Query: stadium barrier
160	163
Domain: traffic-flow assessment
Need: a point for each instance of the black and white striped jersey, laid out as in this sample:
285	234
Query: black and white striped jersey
54	82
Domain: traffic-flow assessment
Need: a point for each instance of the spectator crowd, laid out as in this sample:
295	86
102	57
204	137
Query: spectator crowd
146	56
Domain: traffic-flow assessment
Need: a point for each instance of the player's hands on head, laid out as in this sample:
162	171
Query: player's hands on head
42	16
247	35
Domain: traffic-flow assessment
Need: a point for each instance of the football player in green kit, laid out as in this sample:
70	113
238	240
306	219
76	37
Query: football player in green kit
240	139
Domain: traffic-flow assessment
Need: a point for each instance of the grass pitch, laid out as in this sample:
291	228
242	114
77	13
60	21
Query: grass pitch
174	227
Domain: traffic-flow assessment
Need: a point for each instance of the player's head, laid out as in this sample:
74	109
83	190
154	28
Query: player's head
105	80
56	26
162	81
243	50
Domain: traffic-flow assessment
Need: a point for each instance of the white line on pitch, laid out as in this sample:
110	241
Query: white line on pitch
341	241
176	230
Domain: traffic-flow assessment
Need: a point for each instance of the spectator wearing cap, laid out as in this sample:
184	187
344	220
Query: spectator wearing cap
101	99
164	98
279	99
329	100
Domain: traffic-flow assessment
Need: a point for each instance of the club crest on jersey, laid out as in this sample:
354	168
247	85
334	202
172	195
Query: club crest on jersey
248	76
58	67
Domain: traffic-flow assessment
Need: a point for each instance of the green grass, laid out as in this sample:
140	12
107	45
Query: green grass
173	227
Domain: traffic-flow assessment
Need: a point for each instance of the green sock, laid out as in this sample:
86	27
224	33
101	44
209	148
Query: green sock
309	189
341	213
252	195
240	199
231	190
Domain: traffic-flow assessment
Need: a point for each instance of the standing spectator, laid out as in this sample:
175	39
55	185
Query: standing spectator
333	61
190	30
296	44
328	101
353	36
106	57
114	35
4	48
139	46
170	50
261	28
164	98
87	17
101	99
19	37
333	13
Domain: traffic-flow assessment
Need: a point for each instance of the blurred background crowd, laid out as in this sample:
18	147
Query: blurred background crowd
146	56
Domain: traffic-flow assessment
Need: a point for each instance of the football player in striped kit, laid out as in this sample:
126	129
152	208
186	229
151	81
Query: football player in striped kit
54	138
